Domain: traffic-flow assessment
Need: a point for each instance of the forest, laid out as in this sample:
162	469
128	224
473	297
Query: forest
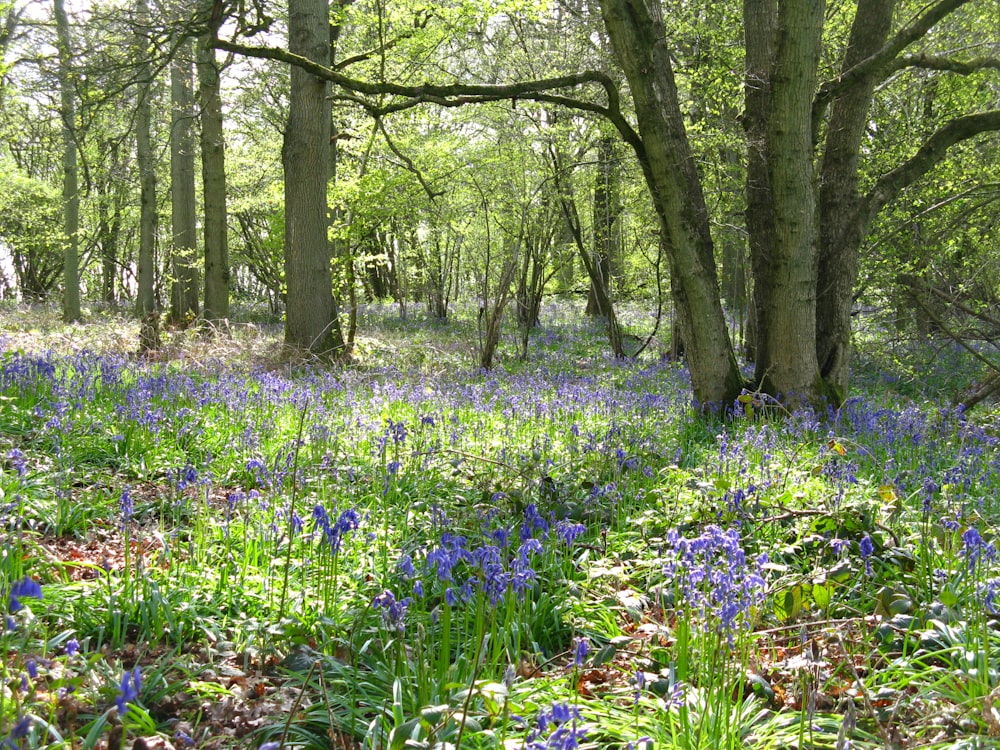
511	374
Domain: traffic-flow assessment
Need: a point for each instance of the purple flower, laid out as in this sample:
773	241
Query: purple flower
128	690
581	647
975	548
867	548
26	587
72	647
126	505
393	611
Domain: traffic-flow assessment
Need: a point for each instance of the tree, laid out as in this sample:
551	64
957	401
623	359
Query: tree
311	319
71	192
806	217
213	173
184	222
145	271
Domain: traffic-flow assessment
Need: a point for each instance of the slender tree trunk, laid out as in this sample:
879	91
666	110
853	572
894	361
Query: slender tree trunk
184	223
311	316
146	301
71	193
606	213
637	34
213	177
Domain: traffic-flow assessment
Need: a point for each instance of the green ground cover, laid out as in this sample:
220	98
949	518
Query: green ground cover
220	549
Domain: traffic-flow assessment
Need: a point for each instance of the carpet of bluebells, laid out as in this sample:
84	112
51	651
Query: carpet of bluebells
407	552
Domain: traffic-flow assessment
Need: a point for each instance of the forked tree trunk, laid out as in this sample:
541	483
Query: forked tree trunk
839	200
782	57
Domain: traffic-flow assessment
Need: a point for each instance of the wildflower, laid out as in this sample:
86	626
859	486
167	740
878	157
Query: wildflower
975	548
713	575
17	461
867	547
581	647
393	611
568	531
72	647
126	506
26	587
562	719
128	690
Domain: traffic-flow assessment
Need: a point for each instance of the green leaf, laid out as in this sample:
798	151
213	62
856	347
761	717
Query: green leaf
788	604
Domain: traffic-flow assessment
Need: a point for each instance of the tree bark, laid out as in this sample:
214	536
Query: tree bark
841	234
213	177
183	209
311	316
785	271
146	299
637	35
70	193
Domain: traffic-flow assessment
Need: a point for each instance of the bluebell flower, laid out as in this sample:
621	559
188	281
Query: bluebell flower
867	548
126	505
393	611
26	587
128	690
72	647
976	549
712	575
581	647
557	728
18	461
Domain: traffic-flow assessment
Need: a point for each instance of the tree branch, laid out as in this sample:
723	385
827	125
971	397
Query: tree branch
459	94
877	64
946	64
929	155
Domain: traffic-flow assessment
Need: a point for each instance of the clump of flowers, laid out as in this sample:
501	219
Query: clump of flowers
711	573
557	728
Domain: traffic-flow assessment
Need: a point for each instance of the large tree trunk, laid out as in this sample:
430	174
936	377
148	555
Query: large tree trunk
311	316
841	234
783	47
184	225
146	301
638	36
71	193
213	177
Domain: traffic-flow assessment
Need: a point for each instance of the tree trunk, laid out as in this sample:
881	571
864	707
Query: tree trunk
606	212
839	200
146	300
213	177
183	211
71	193
311	316
638	36
782	58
